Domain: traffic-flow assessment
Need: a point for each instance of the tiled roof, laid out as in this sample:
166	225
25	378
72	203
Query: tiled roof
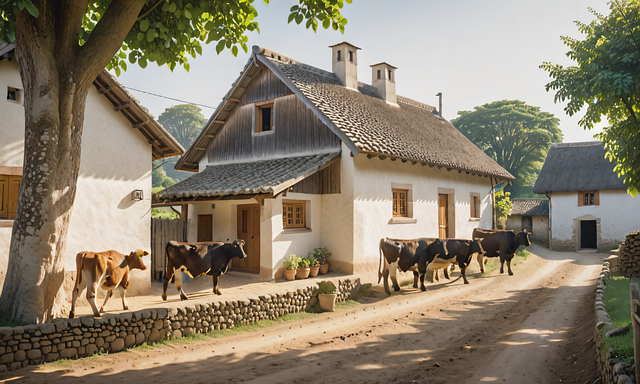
530	207
259	177
361	119
577	167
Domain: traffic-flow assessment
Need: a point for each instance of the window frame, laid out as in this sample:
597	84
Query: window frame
582	195
293	205
396	199
258	117
475	203
408	218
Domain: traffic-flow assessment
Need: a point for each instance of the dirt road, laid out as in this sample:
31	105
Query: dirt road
533	327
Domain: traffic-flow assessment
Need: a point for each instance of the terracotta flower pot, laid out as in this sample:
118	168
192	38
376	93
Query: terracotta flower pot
327	301
302	273
289	274
314	270
324	268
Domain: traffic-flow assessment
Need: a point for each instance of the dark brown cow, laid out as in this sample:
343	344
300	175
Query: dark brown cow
443	253
200	259
107	270
503	243
403	255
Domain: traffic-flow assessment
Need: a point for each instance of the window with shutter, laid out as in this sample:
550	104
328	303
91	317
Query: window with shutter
293	215
399	202
9	189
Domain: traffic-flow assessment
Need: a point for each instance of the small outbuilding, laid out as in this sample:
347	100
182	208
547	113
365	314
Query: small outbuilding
532	215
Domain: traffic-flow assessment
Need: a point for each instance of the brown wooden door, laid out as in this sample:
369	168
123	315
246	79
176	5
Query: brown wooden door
249	231
205	228
443	213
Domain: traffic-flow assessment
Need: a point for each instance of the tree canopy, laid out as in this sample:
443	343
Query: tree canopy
606	79
516	135
61	47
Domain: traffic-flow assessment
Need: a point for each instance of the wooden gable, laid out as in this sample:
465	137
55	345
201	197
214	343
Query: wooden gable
296	129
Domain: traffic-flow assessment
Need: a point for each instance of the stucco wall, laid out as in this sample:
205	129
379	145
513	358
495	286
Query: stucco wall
373	180
115	160
614	218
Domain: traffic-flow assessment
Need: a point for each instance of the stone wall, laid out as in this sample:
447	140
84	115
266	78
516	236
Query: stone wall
82	337
629	253
612	370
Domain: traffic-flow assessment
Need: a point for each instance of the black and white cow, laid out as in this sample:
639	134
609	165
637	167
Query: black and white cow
443	253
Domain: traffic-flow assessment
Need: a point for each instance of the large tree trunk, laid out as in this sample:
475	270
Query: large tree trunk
57	74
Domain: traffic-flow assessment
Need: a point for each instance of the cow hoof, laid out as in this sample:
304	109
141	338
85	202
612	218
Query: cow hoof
184	298
466	282
510	273
396	289
71	314
423	289
101	309
164	297
125	308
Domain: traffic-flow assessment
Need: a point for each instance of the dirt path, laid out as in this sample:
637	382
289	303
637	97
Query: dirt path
533	327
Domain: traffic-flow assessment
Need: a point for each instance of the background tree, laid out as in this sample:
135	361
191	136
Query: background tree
607	80
516	135
184	122
503	208
61	46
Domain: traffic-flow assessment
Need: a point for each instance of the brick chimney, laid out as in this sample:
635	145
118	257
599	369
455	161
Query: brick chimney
383	78
345	64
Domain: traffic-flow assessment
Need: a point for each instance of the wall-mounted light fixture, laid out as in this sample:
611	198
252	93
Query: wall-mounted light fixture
136	195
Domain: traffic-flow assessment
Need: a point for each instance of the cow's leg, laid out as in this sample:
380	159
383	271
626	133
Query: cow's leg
168	275
178	283
415	279
501	264
509	265
77	289
393	269
92	291
445	271
123	293
385	276
107	296
480	260
423	270
464	275
216	280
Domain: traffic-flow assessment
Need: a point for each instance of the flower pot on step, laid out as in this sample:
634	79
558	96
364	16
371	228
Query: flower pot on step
290	274
327	301
314	270
324	269
302	273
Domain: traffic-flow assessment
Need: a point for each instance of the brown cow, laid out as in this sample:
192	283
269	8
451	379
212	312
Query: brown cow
107	270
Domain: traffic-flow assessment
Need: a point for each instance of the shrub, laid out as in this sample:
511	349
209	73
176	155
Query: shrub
321	254
291	262
326	287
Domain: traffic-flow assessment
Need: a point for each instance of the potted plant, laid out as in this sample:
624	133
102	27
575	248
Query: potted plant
303	268
314	264
290	267
322	255
327	295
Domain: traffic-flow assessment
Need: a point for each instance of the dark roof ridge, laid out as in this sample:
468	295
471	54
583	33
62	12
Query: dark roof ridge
577	144
287	60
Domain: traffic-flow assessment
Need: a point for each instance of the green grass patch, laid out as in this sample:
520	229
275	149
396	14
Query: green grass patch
164	213
617	301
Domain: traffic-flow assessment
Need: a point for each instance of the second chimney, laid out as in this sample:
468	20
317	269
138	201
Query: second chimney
345	64
384	80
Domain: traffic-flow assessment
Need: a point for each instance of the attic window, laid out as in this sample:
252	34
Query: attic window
264	118
339	55
14	95
351	56
390	79
379	74
588	198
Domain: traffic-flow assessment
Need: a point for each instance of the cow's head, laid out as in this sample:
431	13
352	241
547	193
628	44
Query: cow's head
476	247
135	259
435	248
523	237
237	249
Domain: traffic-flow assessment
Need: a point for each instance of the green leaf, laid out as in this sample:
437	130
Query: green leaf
299	18
33	11
234	50
220	46
144	25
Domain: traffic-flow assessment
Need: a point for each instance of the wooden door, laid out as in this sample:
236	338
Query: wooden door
249	231
443	214
205	228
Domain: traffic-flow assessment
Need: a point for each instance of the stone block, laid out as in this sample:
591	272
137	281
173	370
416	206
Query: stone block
24	346
15	366
176	334
69	353
46	350
139	338
52	357
90	349
6	358
87	321
117	345
100	342
34	354
20	355
60	324
130	340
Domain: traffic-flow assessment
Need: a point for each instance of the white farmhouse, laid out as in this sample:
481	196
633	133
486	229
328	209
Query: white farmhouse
589	205
119	142
296	157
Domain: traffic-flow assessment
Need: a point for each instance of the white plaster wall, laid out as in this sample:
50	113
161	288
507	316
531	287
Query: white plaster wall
115	160
373	205
617	213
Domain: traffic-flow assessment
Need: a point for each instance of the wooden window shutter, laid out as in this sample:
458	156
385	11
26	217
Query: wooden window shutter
14	190
597	197
580	199
4	197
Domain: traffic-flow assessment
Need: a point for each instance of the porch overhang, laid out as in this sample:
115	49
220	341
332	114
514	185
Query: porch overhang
247	180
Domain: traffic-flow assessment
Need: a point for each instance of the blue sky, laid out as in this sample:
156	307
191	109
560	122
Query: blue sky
474	52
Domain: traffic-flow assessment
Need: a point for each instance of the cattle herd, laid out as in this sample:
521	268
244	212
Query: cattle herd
109	270
424	255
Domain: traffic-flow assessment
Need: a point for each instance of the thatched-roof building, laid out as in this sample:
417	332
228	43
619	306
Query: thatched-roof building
297	157
589	206
532	215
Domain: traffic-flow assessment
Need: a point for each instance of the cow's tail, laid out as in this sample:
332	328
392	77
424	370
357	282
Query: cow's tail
79	262
380	264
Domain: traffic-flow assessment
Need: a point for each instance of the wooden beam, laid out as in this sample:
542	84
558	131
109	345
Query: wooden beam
371	156
218	121
234	99
199	148
105	89
120	107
